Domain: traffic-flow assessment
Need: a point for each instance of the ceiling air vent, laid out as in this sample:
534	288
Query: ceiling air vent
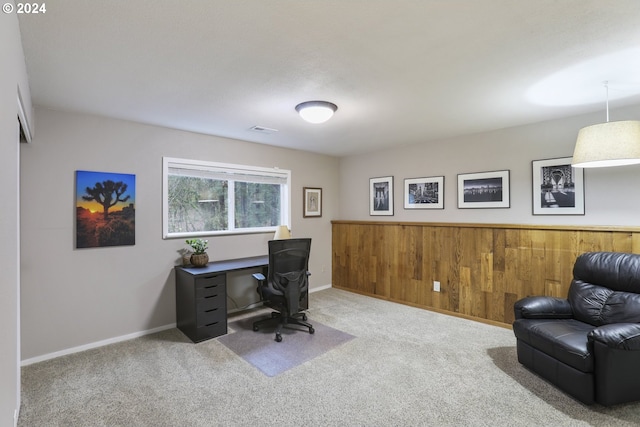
262	129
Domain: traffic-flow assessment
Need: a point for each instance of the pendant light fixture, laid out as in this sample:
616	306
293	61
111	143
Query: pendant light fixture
608	144
316	111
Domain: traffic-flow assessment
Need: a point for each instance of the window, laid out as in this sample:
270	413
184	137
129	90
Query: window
204	198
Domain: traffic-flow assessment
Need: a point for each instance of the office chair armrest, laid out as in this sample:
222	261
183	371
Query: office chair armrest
261	279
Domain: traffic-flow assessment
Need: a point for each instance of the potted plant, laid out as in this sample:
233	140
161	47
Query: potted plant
199	257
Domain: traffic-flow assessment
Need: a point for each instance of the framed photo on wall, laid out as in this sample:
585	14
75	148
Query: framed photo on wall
424	193
483	190
381	196
558	188
312	202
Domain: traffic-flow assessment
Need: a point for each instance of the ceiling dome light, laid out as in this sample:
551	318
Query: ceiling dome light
316	111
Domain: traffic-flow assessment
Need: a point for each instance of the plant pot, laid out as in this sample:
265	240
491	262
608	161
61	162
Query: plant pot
199	260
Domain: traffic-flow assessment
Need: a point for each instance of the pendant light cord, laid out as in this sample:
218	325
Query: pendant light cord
606	87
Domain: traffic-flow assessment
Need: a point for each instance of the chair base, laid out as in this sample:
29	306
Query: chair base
282	321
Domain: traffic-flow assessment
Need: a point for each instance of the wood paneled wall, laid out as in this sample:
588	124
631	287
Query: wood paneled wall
482	268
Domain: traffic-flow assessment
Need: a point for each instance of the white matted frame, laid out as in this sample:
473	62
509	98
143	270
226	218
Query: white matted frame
558	188
312	202
424	193
484	190
381	196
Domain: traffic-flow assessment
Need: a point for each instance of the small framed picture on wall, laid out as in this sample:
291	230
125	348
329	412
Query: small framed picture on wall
312	201
558	188
483	190
381	196
424	193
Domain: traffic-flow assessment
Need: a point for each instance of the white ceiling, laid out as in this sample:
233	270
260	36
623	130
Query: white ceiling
400	71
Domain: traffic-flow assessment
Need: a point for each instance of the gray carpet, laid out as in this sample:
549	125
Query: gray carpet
260	349
406	367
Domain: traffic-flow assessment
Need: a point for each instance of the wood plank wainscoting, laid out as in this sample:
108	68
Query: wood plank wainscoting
482	268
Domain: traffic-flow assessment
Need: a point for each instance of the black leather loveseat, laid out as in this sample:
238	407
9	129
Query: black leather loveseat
588	344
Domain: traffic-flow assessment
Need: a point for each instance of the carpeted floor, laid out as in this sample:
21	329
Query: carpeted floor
406	367
260	349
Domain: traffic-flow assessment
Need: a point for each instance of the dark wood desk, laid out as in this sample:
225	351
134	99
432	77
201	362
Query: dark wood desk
229	265
201	296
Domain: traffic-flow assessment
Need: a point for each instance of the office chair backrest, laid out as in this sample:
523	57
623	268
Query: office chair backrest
288	269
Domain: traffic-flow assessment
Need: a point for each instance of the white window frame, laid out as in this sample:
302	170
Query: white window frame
231	169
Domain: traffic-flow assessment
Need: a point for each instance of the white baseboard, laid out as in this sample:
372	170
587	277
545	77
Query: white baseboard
127	337
95	345
320	288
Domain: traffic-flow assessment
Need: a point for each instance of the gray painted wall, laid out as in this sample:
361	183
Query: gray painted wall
611	194
74	297
13	77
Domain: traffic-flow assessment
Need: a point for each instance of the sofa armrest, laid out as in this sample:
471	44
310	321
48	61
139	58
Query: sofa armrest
622	336
541	307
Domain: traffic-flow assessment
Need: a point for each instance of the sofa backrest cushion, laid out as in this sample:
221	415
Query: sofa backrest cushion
598	305
614	270
606	288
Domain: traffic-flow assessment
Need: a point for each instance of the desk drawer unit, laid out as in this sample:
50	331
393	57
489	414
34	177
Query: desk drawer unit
201	304
211	307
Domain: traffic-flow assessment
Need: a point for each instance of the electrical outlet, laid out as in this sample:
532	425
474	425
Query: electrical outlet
436	286
323	268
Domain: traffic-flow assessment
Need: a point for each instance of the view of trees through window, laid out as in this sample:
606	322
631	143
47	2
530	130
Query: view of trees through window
257	205
197	204
203	201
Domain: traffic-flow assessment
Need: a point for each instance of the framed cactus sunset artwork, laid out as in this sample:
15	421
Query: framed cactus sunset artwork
105	209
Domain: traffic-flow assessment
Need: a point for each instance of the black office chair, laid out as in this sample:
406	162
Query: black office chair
286	285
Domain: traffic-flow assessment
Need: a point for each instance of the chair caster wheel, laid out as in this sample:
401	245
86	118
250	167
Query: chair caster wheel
278	337
304	317
311	330
255	327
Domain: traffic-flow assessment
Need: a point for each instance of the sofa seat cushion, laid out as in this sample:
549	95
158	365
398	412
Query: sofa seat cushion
563	339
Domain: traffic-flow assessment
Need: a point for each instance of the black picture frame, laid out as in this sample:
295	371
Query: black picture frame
484	190
381	196
557	187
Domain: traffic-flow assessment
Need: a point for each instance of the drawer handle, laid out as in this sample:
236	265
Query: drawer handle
211	296
212	286
209	311
211	324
